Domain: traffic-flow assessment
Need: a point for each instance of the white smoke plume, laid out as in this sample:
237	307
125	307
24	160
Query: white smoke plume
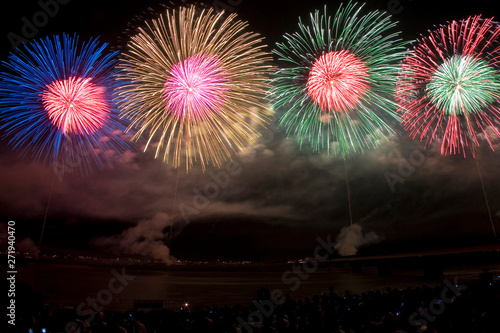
147	238
351	238
27	246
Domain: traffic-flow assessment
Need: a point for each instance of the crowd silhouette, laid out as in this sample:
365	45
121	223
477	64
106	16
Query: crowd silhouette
474	308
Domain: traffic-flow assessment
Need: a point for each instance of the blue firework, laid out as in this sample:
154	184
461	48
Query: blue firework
56	104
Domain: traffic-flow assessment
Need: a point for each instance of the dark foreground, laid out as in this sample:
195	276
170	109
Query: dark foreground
450	307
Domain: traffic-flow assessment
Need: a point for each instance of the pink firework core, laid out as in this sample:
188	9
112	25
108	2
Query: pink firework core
75	105
196	86
337	81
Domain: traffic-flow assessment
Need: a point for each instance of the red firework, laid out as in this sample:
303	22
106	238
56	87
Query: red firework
448	86
76	105
337	81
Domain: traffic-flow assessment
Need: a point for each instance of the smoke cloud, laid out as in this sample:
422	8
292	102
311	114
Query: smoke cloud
27	246
147	238
351	238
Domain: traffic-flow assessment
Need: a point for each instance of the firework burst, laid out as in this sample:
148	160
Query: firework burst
195	84
57	104
339	79
449	86
76	105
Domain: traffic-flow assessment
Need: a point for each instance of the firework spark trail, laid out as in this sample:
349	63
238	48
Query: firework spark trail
340	74
449	86
195	84
56	103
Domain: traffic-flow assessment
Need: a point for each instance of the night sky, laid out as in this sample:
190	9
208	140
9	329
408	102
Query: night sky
275	198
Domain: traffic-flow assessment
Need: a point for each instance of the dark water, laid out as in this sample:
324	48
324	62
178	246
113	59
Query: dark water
70	285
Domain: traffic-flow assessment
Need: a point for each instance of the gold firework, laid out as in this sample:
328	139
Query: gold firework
194	82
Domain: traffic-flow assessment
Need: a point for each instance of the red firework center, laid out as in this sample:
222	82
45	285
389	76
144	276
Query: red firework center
76	105
337	81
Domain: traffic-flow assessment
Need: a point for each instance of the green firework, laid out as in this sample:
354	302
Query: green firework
463	84
372	39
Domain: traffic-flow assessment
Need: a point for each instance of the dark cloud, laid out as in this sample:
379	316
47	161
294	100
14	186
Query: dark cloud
281	181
